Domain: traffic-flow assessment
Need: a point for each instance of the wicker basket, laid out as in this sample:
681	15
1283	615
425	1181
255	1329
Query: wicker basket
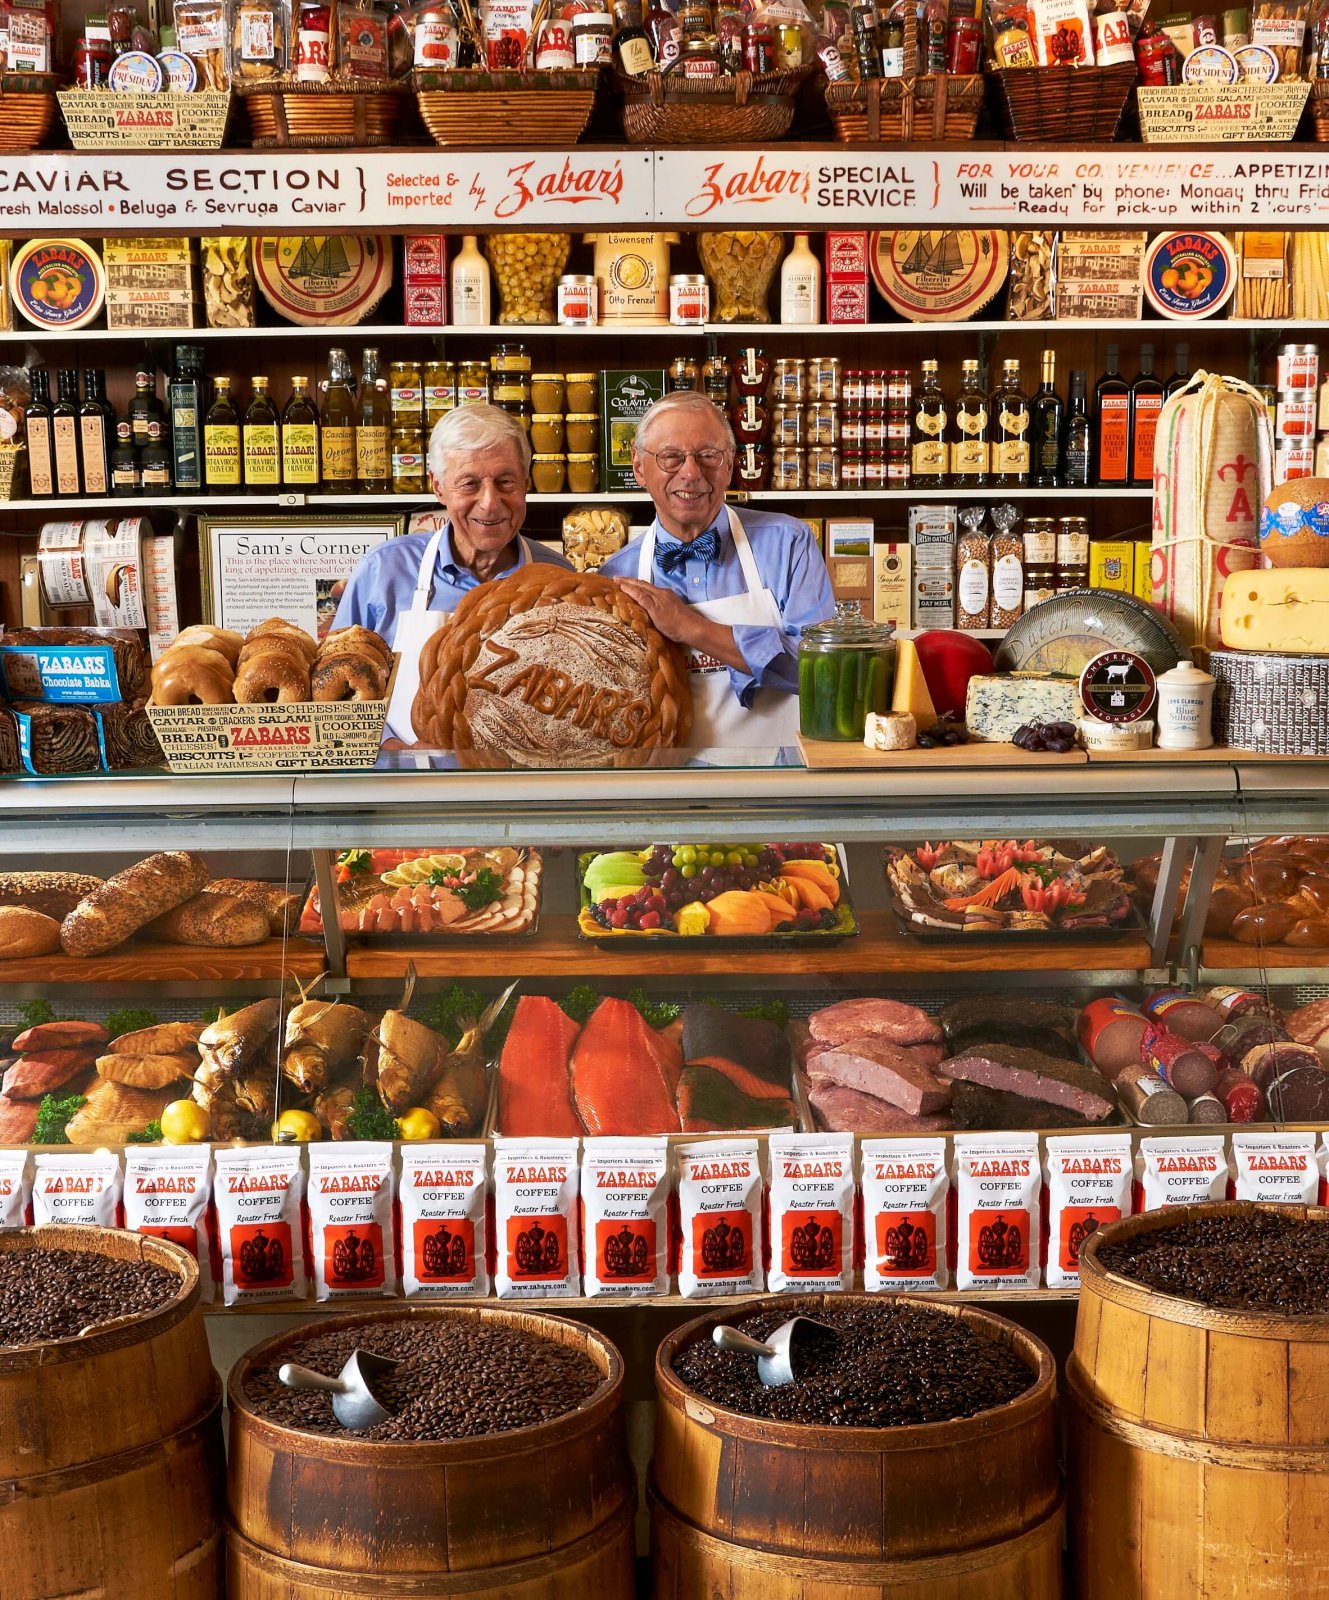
1320	108
1081	104
1276	705
27	110
13	471
928	108
323	116
467	108
749	108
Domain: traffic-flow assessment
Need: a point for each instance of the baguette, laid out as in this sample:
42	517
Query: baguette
27	933
211	919
146	1072
55	894
280	905
166	1039
129	900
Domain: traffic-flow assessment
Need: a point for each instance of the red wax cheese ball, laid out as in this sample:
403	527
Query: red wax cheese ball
949	659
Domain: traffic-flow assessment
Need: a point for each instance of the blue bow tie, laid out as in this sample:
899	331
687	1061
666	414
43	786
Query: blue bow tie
674	557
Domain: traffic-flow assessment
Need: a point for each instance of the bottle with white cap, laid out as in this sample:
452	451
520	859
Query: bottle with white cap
1185	709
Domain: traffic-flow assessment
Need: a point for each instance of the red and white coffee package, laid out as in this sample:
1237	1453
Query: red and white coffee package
997	1185
167	1189
259	1194
1089	1184
1280	1167
535	1218
15	1188
1322	1165
444	1234
624	1202
719	1205
905	1185
812	1211
1181	1170
351	1220
84	1188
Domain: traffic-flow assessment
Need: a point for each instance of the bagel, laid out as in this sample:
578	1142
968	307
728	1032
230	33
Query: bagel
225	641
349	677
271	676
188	675
286	630
279	643
356	640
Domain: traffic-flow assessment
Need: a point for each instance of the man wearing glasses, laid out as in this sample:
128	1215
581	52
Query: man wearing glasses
735	591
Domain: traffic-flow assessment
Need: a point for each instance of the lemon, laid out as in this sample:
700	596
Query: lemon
449	861
296	1127
417	1123
185	1122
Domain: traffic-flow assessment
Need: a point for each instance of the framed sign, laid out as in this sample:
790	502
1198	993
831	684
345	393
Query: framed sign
296	567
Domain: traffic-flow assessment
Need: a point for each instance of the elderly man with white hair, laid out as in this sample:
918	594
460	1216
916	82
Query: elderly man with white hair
735	589
407	588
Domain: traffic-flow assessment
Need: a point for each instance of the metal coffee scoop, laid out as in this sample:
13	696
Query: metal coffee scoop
777	1359
353	1403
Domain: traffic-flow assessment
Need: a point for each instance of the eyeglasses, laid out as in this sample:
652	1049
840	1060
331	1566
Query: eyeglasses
672	460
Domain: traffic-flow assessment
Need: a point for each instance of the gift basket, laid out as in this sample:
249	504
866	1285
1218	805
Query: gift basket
1064	70
934	89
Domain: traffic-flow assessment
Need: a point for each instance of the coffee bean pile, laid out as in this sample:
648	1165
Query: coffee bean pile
457	1380
56	1294
884	1366
1254	1261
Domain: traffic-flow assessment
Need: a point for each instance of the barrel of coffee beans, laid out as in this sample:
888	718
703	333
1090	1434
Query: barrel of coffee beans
111	1466
502	1469
915	1455
1199	1405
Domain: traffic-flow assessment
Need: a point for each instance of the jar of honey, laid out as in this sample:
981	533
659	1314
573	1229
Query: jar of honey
548	392
581	390
547	435
583	472
548	472
582	431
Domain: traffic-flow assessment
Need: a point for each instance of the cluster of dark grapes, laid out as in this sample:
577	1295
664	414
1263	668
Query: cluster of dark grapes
946	732
686	872
1055	737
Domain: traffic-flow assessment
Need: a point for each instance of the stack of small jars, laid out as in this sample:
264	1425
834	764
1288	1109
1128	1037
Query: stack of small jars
565	432
874	429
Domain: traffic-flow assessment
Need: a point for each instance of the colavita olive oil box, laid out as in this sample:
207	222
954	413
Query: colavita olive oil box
624	397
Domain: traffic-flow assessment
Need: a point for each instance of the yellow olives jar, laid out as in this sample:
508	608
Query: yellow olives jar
583	472
408	460
583	432
547	433
547	472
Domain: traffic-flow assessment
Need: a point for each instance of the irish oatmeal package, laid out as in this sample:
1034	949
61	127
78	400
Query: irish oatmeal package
812	1211
167	1189
442	1199
1281	1167
905	1185
997	1185
15	1188
84	1188
624	1200
1089	1182
535	1218
719	1203
1181	1170
350	1219
259	1195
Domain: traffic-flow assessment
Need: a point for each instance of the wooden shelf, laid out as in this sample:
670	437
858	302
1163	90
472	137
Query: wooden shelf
1217	954
172	963
879	950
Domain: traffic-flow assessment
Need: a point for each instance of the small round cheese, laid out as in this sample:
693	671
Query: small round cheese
892	730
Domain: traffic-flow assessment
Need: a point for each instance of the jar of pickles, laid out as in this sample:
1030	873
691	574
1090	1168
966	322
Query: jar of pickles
472	383
408	460
846	668
853	390
527	267
406	388
440	380
853	471
854	432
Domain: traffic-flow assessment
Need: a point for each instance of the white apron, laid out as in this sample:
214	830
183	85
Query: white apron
719	719
414	628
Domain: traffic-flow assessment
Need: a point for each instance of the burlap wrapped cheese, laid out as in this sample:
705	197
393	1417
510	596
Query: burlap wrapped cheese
1213	457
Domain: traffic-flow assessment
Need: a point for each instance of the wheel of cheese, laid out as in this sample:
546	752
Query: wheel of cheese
57	283
1063	634
939	274
331	279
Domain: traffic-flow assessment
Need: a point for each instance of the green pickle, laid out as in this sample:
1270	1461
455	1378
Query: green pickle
846	668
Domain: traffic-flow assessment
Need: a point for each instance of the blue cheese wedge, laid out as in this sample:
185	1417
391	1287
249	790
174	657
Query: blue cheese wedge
996	705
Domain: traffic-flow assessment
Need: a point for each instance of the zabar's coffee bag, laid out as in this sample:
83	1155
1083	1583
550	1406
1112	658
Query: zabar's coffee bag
1089	1183
997	1187
167	1189
535	1218
624	1202
259	1196
1277	1167
1181	1170
83	1189
812	1211
719	1204
350	1219
444	1238
15	1188
905	1185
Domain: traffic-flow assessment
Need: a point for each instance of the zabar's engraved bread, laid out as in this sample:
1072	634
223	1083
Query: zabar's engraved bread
27	933
129	900
53	893
220	920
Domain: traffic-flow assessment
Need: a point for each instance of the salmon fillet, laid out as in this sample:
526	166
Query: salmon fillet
624	1074
534	1091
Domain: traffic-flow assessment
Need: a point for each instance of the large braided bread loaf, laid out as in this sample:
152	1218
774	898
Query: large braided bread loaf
547	667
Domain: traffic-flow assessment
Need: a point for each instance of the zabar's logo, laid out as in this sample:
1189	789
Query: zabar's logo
1091	1164
755	185
620	1179
887	1171
1291	1161
555	1174
350	1183
446	1178
572	184
292	733
721	1169
143	1184
1188	1163
615	715
257	1182
94	1183
144	119
1012	1167
812	1169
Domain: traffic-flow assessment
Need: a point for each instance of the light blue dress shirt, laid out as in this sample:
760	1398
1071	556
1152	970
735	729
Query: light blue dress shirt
791	567
382	585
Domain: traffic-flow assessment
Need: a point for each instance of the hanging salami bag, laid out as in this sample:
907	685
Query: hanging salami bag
350	1219
14	1188
259	1196
905	1185
535	1218
443	1196
1277	1167
997	1184
81	1189
167	1189
1213	466
1181	1171
1089	1182
812	1211
719	1206
624	1200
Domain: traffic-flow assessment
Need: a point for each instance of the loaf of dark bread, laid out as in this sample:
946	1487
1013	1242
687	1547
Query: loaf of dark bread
220	920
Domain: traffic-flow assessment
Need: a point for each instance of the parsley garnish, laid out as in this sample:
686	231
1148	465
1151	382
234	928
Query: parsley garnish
368	1119
52	1115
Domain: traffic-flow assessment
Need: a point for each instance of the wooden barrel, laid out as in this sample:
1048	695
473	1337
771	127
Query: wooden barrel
1199	1438
111	1446
540	1513
967	1510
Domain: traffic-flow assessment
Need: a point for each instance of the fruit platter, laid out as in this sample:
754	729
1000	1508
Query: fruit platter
386	894
994	888
749	892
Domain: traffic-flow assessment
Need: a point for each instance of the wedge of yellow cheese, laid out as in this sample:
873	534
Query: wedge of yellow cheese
911	689
1285	609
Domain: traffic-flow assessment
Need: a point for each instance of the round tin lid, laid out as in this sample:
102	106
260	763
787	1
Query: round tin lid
333	278
1117	686
1189	274
939	274
57	283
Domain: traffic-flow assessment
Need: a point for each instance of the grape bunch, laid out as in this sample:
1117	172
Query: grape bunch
639	912
687	872
947	732
1036	737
